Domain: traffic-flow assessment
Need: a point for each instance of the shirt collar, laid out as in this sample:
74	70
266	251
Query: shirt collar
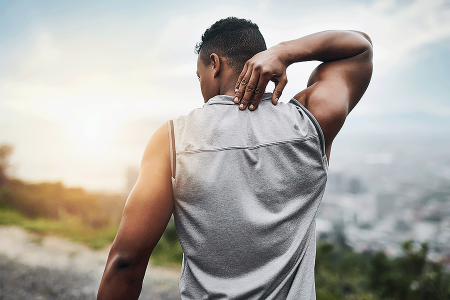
228	100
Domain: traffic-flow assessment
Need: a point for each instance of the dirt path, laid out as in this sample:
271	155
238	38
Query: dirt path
35	267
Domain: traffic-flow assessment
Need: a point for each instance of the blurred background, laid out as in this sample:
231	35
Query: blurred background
84	84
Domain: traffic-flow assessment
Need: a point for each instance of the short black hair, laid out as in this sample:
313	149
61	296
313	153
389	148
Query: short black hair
236	39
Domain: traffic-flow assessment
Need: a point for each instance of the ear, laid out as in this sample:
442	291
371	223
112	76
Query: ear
215	64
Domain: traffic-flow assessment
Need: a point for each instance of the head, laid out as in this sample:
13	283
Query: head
223	51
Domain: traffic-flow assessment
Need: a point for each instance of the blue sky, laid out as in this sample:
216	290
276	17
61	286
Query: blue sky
83	85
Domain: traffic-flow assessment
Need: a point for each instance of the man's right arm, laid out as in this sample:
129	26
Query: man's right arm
145	217
334	87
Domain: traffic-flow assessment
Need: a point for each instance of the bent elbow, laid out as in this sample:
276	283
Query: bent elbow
125	263
122	276
366	45
366	36
122	263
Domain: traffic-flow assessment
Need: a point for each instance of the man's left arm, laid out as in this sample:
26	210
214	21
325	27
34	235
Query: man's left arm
145	217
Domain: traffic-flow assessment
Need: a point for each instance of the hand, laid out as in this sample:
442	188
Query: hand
269	65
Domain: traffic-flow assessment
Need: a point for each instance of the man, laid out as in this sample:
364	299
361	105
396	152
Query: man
244	185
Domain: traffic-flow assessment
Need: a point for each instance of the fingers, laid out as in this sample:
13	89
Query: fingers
279	87
259	91
241	84
249	89
252	83
250	86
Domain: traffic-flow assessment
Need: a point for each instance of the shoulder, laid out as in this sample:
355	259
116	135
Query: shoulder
325	103
157	148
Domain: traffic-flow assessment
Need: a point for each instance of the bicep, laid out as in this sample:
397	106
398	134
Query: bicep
334	89
347	79
150	203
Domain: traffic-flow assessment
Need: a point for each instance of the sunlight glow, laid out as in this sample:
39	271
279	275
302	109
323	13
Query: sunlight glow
82	93
92	134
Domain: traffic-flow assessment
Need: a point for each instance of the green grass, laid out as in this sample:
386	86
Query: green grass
71	227
168	250
166	253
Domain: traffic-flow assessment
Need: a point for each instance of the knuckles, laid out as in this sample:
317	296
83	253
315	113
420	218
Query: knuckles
265	72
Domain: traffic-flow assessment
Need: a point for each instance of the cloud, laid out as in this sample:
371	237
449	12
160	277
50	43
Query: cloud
156	63
44	53
396	28
400	29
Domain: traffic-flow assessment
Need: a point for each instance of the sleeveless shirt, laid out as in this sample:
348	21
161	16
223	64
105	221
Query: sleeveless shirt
247	186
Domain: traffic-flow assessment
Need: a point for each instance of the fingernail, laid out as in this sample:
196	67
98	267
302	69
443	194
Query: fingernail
236	99
241	106
276	100
251	106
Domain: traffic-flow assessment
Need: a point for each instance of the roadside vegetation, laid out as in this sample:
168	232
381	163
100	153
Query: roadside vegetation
344	274
341	273
52	208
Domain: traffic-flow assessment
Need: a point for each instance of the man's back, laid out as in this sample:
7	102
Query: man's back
248	182
245	201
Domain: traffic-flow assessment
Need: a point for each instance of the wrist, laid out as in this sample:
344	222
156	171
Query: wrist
283	54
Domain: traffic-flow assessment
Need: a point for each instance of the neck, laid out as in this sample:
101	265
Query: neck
228	85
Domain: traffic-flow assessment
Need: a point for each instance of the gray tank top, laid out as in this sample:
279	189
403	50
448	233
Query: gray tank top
247	186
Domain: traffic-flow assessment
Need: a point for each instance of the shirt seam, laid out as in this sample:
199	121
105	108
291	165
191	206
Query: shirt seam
247	147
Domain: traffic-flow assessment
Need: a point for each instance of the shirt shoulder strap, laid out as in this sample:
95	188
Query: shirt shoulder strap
173	153
300	108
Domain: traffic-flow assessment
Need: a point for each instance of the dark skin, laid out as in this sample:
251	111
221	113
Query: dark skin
145	217
333	89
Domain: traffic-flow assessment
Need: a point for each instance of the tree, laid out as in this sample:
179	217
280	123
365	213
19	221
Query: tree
408	277
5	153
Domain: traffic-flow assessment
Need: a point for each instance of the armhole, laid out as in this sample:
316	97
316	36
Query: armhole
172	148
314	121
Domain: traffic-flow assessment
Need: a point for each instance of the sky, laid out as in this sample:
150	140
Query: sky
84	84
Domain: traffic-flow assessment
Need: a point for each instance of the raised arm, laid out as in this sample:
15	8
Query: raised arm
334	87
146	214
